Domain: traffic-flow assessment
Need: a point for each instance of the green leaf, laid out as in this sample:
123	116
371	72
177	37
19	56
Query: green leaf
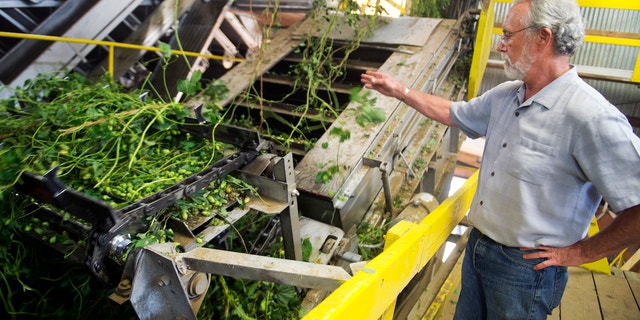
325	176
354	95
166	50
191	86
369	114
306	249
343	134
216	90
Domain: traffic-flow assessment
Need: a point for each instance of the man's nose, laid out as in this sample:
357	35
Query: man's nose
501	47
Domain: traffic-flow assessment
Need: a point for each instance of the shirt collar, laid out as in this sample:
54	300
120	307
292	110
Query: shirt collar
551	92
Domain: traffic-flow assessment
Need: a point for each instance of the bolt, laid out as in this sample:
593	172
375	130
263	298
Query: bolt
124	288
198	284
163	281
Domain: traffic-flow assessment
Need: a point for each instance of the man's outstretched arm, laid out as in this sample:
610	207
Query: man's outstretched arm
431	106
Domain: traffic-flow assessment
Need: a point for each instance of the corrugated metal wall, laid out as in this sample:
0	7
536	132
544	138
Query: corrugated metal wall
606	55
625	96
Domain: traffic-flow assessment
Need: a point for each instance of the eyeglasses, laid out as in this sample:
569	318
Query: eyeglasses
506	35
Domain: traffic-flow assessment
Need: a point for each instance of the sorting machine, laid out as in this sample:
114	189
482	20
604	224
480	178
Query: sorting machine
379	170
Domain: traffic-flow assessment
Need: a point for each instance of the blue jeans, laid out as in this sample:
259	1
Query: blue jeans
498	284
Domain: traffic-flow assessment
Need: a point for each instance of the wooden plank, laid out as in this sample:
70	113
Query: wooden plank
635	258
579	301
387	30
633	278
238	79
615	296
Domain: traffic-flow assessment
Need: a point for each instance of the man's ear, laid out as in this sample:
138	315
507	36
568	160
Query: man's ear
545	36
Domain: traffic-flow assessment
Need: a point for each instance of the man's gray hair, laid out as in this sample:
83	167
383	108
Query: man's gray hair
562	17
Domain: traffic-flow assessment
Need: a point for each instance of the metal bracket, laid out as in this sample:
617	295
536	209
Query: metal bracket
385	169
159	279
279	196
163	274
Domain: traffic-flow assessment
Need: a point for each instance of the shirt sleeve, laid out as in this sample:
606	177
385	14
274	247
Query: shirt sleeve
608	151
473	117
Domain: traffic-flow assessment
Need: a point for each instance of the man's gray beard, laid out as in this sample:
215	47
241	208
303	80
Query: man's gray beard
512	71
520	69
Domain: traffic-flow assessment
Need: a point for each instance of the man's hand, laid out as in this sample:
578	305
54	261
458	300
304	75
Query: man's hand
622	233
434	107
555	256
382	83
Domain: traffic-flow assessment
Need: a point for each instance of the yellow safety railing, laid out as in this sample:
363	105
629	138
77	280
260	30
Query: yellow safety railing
486	29
112	45
482	48
371	293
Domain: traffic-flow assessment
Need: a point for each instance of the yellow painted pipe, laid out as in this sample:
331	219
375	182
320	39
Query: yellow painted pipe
635	77
111	45
605	4
481	49
371	292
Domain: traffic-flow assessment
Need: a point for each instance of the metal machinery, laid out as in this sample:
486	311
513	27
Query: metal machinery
379	170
